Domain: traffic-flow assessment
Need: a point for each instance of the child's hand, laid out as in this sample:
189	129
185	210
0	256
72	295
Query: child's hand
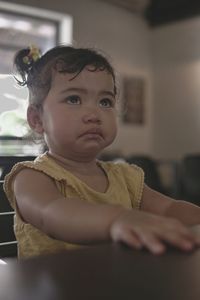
139	229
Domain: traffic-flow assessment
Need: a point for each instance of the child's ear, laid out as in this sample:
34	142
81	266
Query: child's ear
34	119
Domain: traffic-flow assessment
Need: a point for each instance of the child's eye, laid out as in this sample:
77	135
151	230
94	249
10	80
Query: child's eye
73	99
106	102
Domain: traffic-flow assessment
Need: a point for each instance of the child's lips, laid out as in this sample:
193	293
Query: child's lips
93	132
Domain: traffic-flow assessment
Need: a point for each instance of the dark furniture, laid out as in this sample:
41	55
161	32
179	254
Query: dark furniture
112	272
190	179
149	166
8	243
7	162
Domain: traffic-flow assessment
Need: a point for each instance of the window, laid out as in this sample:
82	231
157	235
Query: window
34	27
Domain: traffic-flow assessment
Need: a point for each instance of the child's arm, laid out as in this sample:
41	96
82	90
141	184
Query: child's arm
76	221
69	219
160	204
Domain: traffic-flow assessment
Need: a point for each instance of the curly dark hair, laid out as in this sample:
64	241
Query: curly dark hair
37	75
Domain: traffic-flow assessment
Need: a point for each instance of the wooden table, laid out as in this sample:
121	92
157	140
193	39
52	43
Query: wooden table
103	272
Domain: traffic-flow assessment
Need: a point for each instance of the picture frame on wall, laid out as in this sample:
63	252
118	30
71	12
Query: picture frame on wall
133	100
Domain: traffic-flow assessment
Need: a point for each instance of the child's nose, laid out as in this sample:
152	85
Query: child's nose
92	115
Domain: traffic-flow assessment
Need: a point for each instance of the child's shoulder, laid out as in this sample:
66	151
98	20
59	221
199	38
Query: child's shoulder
42	163
36	164
24	164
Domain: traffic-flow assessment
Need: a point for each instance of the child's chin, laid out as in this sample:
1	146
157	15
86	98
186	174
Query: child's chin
92	149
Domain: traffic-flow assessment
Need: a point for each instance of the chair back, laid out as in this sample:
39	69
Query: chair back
149	166
7	162
8	243
190	178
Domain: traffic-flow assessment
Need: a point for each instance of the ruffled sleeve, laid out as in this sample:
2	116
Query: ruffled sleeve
134	177
39	164
9	178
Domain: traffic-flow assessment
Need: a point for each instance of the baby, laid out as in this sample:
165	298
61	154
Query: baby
68	198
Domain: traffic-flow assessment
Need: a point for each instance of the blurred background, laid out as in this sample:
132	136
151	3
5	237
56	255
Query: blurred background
155	48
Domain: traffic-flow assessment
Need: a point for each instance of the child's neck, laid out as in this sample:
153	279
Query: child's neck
90	172
80	167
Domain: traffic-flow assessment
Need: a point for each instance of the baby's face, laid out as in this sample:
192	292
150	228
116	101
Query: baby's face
79	115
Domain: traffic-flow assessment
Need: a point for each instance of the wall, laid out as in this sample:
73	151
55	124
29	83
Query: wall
125	37
168	57
176	102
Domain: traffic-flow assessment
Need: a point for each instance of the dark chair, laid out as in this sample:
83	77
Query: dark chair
190	179
7	162
8	243
149	166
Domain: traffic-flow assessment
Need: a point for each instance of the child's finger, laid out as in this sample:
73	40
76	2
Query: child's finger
178	236
151	242
131	239
178	241
196	233
197	239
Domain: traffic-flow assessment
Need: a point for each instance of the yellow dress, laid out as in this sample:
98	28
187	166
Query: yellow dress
125	188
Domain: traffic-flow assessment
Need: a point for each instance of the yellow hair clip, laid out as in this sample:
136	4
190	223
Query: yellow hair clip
33	55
